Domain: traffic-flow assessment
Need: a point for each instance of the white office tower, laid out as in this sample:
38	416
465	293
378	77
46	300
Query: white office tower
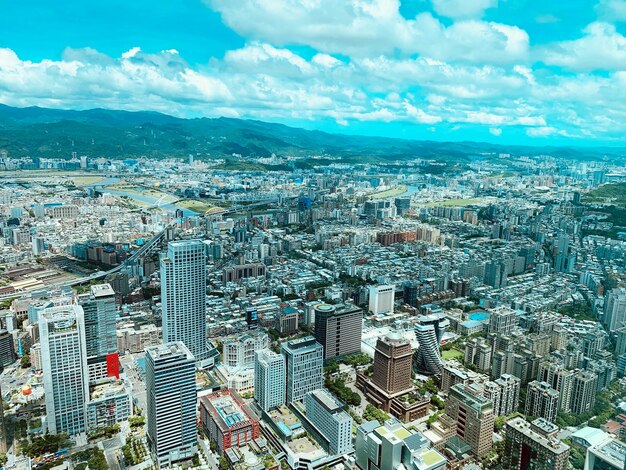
64	364
615	309
269	379
327	415
428	333
304	359
381	299
183	296
38	245
171	399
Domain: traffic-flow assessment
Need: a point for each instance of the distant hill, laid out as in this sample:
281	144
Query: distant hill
57	133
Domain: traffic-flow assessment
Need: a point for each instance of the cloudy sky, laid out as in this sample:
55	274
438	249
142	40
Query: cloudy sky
507	71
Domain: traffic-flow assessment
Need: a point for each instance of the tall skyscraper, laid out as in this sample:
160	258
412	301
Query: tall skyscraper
65	372
533	446
329	418
183	296
565	258
269	379
338	329
392	364
381	299
304	359
171	402
429	332
615	309
542	401
474	417
100	332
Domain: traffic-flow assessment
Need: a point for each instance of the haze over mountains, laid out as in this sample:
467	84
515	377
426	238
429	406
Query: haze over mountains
57	133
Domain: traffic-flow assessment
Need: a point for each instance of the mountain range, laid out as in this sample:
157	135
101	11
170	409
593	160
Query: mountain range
44	132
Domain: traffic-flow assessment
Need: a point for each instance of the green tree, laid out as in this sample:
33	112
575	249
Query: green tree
97	461
25	361
223	463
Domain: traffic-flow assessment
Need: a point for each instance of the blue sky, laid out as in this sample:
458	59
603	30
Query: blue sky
506	71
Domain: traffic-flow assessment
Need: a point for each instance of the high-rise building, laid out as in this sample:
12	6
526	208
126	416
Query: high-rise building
565	258
478	352
7	349
392	364
474	416
502	320
65	372
542	401
560	379
504	394
338	329
450	376
620	343
381	299
615	309
38	245
327	415
583	391
183	296
533	446
429	332
171	402
304	360
390	381
269	379
100	332
495	274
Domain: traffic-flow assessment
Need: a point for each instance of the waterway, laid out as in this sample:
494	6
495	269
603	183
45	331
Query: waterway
140	197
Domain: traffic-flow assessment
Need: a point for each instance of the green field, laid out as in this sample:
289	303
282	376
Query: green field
452	354
196	206
392	192
454	202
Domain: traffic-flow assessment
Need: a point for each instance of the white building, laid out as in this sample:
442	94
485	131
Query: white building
381	299
615	309
64	365
327	415
183	296
239	352
269	379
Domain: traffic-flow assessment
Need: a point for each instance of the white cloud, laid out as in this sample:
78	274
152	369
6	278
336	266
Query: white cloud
601	48
366	28
495	131
542	131
611	10
463	8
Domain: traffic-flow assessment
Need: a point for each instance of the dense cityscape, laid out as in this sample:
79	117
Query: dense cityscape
170	313
313	235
